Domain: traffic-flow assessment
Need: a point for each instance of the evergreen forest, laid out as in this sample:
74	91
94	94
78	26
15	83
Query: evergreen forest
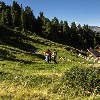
15	16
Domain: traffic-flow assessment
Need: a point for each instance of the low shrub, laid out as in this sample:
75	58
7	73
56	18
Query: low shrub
79	81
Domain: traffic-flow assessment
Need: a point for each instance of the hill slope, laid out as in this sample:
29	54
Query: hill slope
24	75
14	42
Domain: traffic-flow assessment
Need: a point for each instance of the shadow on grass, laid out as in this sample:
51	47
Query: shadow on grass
40	56
15	39
18	39
4	54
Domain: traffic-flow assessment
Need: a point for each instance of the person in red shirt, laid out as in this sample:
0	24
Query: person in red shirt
48	56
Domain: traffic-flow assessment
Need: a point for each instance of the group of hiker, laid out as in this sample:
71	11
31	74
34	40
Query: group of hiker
51	55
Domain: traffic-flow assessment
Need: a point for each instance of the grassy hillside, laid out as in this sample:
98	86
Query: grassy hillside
24	75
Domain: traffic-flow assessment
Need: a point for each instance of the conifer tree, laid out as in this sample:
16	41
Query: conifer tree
88	36
80	33
7	17
55	25
61	27
16	14
3	18
29	18
2	6
73	33
40	23
23	20
66	29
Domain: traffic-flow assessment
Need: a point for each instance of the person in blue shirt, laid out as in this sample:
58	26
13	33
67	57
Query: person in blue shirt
48	56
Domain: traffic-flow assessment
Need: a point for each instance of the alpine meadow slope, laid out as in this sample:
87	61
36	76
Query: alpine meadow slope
24	74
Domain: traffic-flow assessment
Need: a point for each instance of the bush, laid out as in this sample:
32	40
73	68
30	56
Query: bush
79	81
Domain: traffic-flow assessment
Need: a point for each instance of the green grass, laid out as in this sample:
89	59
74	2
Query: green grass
26	76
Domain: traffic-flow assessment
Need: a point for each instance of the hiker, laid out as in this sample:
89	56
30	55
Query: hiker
54	55
47	56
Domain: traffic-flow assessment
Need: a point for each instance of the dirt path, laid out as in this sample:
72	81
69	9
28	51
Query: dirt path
94	65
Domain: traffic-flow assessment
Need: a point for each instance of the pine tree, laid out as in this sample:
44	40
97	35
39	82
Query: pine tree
23	20
88	36
2	6
29	18
3	18
66	29
7	16
61	27
66	35
73	33
16	14
55	25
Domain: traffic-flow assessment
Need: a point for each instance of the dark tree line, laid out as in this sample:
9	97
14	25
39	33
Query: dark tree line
81	37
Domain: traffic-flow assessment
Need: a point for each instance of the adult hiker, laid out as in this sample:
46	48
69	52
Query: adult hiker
48	56
54	55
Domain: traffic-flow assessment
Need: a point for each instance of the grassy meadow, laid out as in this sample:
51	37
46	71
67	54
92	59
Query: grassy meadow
24	75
